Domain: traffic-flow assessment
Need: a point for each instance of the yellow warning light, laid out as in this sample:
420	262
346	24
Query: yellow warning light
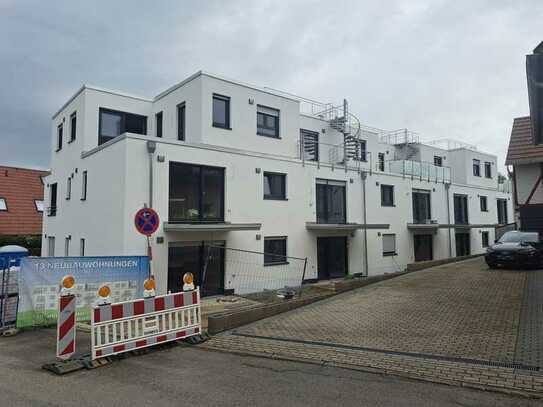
68	282
149	284
104	291
188	278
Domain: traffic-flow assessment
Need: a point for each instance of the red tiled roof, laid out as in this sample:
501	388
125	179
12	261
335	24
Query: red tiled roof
522	149
21	187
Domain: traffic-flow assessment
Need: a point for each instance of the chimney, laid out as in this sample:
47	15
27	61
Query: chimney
534	74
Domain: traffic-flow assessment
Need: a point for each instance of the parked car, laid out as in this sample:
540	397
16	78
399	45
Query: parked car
516	248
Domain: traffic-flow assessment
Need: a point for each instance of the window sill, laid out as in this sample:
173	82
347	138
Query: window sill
390	254
268	136
276	264
275	199
218	126
388	206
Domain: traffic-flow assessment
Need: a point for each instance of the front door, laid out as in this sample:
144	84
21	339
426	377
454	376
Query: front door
205	262
462	244
331	257
423	247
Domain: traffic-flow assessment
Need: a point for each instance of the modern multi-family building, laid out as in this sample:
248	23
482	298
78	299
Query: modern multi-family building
260	170
525	152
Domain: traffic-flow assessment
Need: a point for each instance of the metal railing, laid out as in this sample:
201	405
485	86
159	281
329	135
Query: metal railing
450	144
400	136
422	170
505	187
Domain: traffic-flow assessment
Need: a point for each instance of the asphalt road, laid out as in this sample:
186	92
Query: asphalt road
187	376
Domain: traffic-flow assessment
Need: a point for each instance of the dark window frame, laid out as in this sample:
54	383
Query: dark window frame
502	211
485	238
383	195
276	120
279	258
60	135
476	167
53	198
362	153
488	169
69	188
416	209
73	127
181	121
459	218
438	161
82	247
276	197
159	116
310	137
381	161
389	253
105	138
483	199
326	219
84	185
226	100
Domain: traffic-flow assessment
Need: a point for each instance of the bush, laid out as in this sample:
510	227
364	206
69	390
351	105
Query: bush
32	243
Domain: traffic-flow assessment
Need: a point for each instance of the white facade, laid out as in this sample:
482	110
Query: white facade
118	181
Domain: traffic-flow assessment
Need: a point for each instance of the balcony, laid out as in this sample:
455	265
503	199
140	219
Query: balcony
421	170
349	155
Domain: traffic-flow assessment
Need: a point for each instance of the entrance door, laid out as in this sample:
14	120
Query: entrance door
331	257
423	247
205	262
462	244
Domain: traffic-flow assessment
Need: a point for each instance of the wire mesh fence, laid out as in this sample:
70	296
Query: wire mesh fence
252	274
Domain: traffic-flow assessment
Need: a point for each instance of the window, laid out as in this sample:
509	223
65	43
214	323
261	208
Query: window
68	189
39	205
274	186
275	250
381	161
387	195
461	210
484	203
84	186
421	206
488	170
361	154
485	239
113	123
82	247
73	126
389	244
53	199
181	121
196	193
158	120
3	204
267	121
477	168
310	143
221	111
438	161
51	246
331	201
67	246
60	130
502	211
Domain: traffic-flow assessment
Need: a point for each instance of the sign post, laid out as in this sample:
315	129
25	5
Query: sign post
146	222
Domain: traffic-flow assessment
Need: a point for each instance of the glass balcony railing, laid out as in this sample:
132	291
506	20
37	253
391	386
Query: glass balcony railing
419	169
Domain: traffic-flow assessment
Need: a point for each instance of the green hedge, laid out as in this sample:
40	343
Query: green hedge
32	243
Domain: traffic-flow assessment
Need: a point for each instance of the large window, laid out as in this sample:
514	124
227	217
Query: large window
389	244
331	201
461	210
275	250
114	123
221	111
387	195
275	186
488	170
267	121
502	211
158	120
421	206
53	199
484	203
196	193
60	131
477	168
73	126
181	121
310	143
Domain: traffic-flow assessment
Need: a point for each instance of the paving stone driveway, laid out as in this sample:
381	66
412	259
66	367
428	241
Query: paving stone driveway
459	324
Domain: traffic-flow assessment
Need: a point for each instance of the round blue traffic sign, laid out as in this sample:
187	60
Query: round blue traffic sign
146	221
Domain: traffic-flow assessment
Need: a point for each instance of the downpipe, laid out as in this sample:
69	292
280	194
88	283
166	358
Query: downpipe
151	148
364	175
447	186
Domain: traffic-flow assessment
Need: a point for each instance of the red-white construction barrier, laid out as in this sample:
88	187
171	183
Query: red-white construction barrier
130	325
66	326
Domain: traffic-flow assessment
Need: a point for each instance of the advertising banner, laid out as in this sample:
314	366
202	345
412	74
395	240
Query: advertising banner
40	277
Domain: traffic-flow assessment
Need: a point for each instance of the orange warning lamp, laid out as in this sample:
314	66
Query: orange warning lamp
149	284
188	278
68	282
104	291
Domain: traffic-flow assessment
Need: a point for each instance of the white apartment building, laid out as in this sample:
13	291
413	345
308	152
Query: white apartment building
261	170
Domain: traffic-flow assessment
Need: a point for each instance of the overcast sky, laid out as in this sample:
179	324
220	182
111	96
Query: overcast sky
445	69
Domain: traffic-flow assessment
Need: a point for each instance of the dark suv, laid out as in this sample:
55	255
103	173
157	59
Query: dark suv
515	248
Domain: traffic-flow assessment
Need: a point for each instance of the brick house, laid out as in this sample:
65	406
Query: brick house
21	206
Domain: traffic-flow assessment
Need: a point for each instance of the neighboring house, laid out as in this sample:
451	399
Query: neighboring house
256	169
525	152
21	206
